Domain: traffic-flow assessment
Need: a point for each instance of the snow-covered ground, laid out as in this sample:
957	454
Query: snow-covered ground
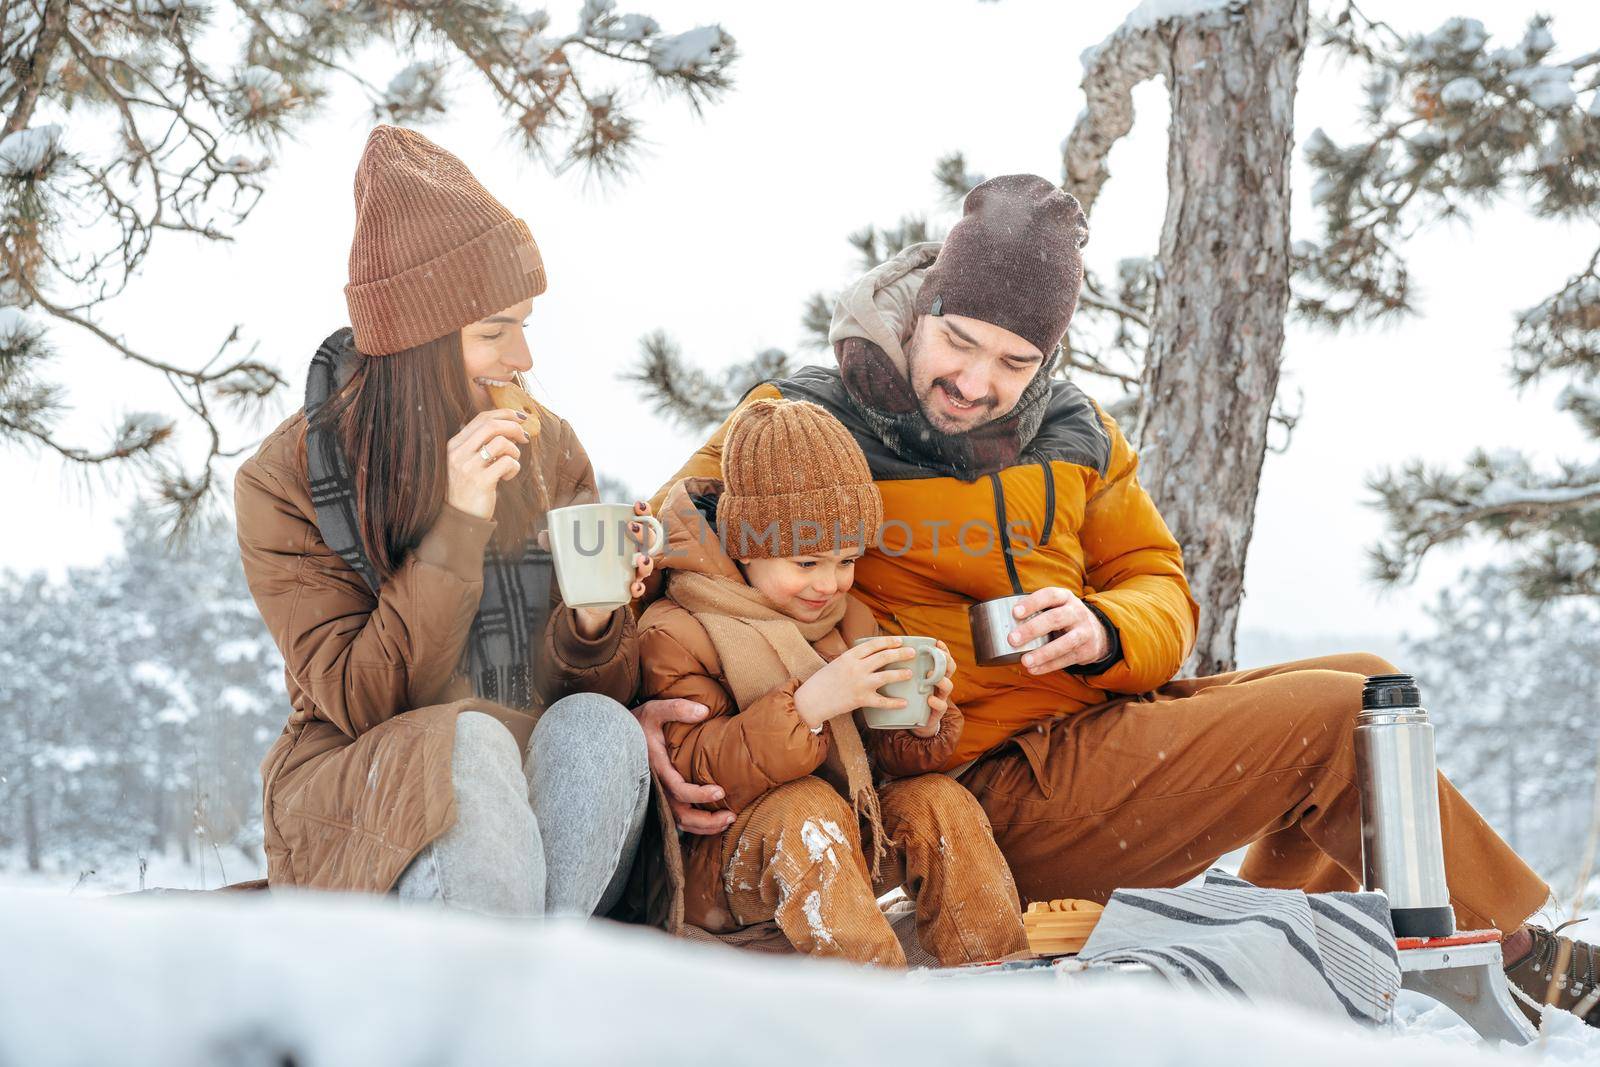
130	870
310	979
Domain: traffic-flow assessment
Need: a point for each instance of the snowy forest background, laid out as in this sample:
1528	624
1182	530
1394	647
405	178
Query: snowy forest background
139	690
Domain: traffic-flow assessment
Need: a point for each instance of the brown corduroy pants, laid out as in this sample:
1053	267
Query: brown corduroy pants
795	857
1150	790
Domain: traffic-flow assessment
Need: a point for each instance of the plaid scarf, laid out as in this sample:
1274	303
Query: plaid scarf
515	607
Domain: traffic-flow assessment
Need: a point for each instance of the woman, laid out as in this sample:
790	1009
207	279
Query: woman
389	534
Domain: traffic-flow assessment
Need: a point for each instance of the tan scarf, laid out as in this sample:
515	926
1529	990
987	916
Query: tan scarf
761	648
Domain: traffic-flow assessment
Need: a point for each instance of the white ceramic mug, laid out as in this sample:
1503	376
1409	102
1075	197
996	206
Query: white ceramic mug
926	670
593	553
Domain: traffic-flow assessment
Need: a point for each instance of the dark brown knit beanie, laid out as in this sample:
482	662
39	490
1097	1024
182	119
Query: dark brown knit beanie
794	483
1013	260
433	251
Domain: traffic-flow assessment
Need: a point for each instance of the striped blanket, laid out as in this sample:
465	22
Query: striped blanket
1331	952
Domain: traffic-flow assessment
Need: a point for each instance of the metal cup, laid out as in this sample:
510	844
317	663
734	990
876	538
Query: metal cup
992	622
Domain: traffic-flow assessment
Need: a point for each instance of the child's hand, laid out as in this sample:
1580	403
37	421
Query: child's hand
938	704
852	681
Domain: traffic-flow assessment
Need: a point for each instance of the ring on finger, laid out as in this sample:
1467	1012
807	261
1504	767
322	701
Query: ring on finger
484	452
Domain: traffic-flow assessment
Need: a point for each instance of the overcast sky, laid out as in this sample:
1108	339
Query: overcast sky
839	111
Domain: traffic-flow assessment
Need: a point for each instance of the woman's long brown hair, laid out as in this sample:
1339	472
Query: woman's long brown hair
394	419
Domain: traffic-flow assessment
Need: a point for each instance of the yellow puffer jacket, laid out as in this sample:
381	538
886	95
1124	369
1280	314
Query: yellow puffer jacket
1078	518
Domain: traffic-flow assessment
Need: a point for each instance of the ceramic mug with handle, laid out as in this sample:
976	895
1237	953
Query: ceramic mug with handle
929	666
593	553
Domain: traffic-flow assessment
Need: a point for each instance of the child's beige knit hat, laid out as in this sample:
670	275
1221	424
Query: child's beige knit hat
794	483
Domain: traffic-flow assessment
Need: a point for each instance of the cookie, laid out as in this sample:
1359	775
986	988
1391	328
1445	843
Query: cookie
513	396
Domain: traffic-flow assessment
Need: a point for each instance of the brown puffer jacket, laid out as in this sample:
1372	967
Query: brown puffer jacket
359	781
766	745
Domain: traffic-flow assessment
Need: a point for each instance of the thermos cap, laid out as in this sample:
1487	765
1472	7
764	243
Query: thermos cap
1390	691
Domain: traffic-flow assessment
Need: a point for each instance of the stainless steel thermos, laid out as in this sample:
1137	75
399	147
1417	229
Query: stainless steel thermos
1402	848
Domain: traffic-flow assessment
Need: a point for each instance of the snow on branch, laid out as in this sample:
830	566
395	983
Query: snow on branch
1550	521
1452	123
191	114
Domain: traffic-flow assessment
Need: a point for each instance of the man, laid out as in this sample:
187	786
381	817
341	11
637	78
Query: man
1094	767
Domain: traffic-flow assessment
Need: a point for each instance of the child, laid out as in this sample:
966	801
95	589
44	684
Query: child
766	644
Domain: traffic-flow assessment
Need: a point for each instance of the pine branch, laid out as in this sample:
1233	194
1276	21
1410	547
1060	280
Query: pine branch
955	181
1498	495
1453	125
195	140
686	395
816	321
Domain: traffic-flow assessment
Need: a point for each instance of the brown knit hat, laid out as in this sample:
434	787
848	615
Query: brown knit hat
1014	260
794	483
433	251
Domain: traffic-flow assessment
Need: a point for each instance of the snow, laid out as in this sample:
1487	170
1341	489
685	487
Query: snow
1574	559
1502	491
318	979
1454	37
137	428
414	88
1150	12
238	650
243	165
260	88
71	759
819	837
83	875
1427	140
628	28
1549	88
688	51
239	700
14	325
1594	106
28	152
812	906
1461	92
1319	143
1538	40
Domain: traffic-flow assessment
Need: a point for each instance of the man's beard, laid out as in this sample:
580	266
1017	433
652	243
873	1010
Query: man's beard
983	407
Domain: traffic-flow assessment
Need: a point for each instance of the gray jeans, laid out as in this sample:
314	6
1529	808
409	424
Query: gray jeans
550	832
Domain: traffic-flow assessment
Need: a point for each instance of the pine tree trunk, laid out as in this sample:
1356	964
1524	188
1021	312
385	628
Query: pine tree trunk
1217	330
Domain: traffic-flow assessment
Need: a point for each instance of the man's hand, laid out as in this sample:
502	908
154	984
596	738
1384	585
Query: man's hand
682	796
1079	635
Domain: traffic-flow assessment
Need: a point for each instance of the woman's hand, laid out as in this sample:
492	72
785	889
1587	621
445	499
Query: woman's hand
486	452
592	621
938	704
852	681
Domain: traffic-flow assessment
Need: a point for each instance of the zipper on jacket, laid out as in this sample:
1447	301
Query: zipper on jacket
1005	534
1049	501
